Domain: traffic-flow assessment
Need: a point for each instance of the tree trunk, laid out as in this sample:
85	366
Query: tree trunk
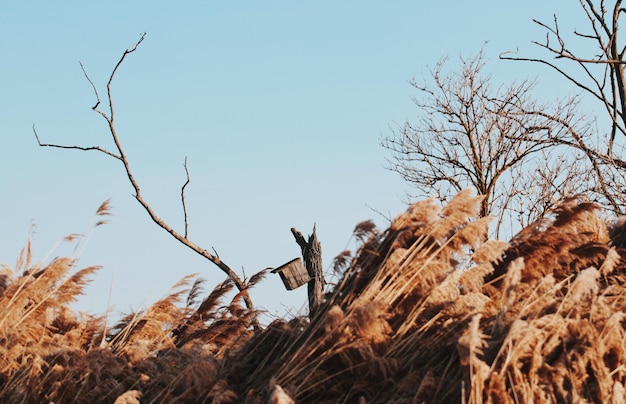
312	256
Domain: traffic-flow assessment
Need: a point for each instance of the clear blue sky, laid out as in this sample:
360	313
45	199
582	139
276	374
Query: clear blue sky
279	107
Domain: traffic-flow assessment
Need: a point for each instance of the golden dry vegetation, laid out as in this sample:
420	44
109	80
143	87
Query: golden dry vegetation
428	311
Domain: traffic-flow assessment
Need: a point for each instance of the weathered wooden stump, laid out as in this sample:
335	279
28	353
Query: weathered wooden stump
312	255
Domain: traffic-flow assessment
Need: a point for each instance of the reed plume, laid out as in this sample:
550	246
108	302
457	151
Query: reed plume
426	311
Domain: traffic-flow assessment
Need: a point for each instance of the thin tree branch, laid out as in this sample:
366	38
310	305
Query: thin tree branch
182	198
119	63
95	90
96	148
503	56
387	217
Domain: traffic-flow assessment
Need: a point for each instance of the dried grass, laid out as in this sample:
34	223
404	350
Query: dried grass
427	311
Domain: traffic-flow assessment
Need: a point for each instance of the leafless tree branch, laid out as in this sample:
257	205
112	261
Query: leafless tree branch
602	77
95	90
182	198
121	156
96	148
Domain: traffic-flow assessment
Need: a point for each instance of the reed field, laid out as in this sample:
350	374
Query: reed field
427	311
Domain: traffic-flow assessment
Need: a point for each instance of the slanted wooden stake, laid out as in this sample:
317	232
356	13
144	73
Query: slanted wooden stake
312	255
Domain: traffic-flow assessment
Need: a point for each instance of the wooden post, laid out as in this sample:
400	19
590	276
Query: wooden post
312	255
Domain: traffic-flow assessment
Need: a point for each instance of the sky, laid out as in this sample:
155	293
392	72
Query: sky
279	108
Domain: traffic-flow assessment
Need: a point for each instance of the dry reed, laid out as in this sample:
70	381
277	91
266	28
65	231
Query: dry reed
427	311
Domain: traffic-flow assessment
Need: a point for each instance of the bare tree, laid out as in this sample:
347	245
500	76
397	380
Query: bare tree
592	61
119	154
493	139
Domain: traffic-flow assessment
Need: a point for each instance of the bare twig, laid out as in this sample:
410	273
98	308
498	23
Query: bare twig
505	56
182	198
96	148
381	214
95	90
